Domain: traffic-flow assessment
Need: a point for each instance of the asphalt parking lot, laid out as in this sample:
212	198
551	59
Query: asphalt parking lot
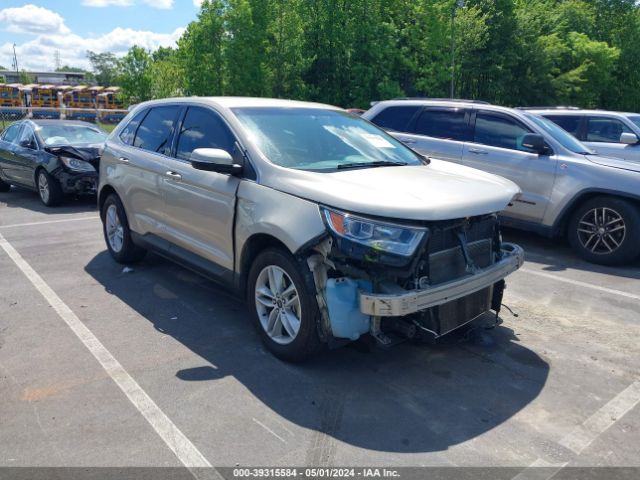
557	385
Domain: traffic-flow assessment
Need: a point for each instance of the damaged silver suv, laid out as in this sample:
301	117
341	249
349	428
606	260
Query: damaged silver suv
329	227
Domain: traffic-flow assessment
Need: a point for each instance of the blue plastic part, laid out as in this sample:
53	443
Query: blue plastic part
344	311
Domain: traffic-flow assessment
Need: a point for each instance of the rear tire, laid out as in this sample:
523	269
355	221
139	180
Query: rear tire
117	234
49	188
4	187
605	230
281	294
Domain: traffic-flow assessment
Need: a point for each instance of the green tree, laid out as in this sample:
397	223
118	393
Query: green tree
200	51
105	67
136	75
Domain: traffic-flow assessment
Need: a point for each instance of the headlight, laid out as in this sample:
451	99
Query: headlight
380	237
77	165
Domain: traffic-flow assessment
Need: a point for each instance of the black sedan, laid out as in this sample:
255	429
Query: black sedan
53	157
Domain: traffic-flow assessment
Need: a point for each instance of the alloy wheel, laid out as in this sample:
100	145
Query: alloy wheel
115	232
601	230
43	187
278	305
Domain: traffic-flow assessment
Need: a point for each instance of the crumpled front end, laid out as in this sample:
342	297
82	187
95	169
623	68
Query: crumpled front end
454	273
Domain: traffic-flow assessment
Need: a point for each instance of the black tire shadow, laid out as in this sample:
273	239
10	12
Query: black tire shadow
406	399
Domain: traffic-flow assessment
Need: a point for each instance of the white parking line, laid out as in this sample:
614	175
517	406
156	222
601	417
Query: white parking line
45	222
179	444
584	434
540	470
581	284
269	430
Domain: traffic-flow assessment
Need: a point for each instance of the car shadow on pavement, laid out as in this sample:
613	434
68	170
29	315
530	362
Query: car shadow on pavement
19	197
411	398
556	255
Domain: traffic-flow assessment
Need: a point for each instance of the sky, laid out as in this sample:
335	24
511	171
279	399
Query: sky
40	28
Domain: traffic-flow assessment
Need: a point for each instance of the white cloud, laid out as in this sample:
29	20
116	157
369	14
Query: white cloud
107	3
162	4
197	3
38	54
32	19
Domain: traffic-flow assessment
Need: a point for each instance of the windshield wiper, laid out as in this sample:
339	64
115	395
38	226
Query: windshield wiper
378	163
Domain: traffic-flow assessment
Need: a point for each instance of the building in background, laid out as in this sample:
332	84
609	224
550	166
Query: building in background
53	78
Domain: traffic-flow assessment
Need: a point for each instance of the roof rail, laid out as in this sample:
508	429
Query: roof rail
555	107
459	100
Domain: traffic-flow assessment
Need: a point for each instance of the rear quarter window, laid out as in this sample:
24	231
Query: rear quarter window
396	118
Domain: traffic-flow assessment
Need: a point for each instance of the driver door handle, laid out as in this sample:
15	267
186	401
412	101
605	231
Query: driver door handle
477	151
123	160
174	175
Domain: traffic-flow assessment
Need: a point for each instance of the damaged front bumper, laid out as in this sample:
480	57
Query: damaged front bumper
77	183
394	301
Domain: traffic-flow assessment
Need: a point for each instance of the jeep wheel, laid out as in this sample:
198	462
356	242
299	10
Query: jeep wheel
117	234
605	230
286	314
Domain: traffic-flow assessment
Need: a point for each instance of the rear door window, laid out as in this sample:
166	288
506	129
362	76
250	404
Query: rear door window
396	118
11	134
498	130
447	123
605	130
570	123
155	131
203	128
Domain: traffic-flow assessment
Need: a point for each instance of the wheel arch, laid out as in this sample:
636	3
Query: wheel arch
255	244
102	197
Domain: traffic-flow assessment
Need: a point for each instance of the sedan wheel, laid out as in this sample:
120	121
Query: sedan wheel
49	189
43	188
278	305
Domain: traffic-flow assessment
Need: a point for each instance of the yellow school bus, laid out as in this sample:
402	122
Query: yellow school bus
12	98
44	99
110	99
80	97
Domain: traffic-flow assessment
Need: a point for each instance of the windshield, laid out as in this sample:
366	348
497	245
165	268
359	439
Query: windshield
321	140
563	137
635	119
70	134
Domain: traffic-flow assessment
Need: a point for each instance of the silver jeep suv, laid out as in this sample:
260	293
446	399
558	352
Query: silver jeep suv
616	134
566	188
328	226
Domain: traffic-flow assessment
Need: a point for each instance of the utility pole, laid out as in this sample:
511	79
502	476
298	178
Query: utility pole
458	4
56	60
15	61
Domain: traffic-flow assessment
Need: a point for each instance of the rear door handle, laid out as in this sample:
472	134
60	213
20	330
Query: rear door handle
174	175
123	160
477	151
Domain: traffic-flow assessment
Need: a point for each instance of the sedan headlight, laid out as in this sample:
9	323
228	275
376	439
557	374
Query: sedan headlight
76	165
378	236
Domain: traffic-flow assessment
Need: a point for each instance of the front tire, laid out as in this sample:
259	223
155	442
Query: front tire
49	189
117	234
281	294
605	230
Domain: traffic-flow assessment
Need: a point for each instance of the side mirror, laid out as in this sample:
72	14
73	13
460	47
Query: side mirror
27	144
535	142
629	138
214	160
